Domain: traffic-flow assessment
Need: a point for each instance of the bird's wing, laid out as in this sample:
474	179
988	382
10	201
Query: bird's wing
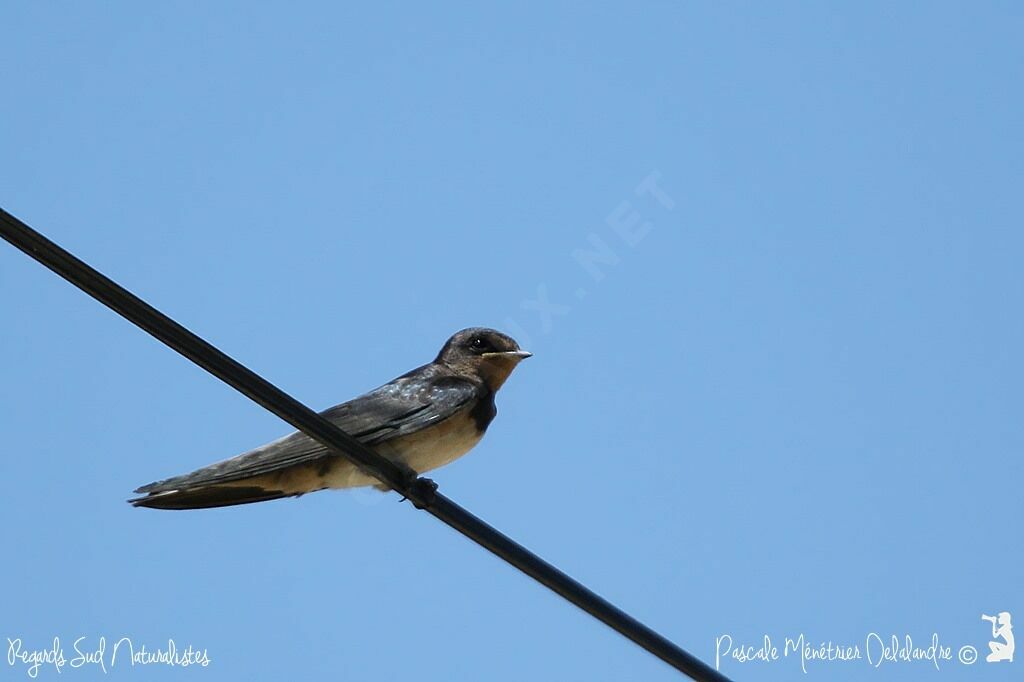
400	407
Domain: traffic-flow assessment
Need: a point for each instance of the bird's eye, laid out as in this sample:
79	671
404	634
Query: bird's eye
479	344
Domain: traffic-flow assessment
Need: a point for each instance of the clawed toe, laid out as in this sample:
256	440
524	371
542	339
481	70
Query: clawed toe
423	488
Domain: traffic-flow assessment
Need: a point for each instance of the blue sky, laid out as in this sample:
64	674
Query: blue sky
786	402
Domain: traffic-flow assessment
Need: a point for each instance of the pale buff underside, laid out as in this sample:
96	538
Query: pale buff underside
423	451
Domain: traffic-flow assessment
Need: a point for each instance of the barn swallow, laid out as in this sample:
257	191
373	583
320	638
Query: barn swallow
422	420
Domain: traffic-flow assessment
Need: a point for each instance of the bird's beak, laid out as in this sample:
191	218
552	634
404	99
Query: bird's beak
512	354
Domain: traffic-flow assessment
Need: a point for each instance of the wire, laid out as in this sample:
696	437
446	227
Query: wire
420	491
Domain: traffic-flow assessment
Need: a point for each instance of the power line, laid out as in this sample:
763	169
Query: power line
420	491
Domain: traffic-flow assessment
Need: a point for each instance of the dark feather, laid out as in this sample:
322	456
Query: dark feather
421	398
207	497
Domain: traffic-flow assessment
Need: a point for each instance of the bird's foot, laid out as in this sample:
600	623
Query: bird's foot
423	488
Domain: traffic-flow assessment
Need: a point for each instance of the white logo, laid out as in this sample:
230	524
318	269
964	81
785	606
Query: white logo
1001	629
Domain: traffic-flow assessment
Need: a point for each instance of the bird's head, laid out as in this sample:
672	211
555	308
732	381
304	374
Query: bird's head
487	353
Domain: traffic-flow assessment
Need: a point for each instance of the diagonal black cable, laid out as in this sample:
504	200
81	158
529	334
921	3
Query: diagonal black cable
420	492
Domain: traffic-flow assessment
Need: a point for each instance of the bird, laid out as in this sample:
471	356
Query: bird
421	420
